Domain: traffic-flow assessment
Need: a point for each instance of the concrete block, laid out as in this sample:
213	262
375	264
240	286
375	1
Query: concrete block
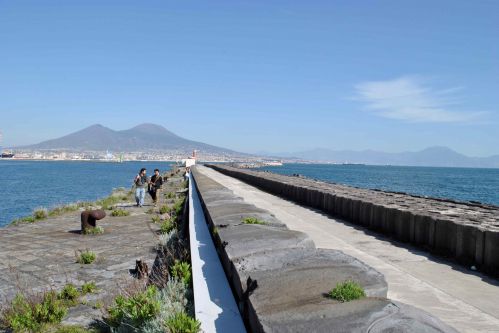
466	244
392	217
403	226
247	239
445	237
479	246
355	215
365	213
378	217
236	207
330	202
491	252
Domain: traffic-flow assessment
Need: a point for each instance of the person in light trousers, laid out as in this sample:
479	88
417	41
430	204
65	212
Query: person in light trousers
140	182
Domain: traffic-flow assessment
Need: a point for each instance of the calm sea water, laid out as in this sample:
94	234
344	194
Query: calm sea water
29	184
463	184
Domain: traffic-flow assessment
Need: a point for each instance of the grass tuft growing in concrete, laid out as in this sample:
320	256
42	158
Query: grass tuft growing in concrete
57	211
120	212
85	257
253	220
164	209
88	288
27	219
347	291
40	213
69	294
94	231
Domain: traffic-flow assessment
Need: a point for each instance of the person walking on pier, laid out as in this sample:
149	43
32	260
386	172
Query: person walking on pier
140	187
155	186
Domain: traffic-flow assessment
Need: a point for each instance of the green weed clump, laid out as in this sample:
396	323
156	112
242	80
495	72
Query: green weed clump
120	212
156	219
108	202
181	270
178	206
86	257
27	219
167	226
98	305
69	293
25	315
40	213
164	209
253	220
170	195
135	309
88	288
183	323
83	204
347	291
94	231
63	209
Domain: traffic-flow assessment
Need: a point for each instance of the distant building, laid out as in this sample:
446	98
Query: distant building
188	162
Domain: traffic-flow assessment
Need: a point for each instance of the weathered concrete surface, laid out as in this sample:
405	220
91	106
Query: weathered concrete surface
469	233
280	279
371	315
41	256
464	299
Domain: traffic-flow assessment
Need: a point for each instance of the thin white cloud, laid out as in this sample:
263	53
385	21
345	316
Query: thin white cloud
409	99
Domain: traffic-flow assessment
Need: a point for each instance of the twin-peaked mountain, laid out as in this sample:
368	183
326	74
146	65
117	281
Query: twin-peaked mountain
150	137
145	137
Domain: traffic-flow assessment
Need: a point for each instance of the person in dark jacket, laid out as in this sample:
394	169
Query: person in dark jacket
155	186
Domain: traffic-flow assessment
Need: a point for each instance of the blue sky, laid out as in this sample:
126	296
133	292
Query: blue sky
256	75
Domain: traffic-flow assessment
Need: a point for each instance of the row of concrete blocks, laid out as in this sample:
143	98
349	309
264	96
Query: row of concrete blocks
280	279
468	244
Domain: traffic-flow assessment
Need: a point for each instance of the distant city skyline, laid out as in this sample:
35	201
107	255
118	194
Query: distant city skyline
256	76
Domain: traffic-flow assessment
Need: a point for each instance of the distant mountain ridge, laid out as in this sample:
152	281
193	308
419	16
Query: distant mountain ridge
144	137
432	156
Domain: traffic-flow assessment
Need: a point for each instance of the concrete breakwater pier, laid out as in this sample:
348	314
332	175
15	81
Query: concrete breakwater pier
466	232
276	269
280	278
460	297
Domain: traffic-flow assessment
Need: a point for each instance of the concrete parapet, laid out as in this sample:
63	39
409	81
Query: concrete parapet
467	232
280	279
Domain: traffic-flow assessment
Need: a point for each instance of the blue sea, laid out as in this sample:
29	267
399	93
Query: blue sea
30	184
462	184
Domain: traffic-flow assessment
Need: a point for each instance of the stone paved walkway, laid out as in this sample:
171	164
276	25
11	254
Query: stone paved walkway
41	256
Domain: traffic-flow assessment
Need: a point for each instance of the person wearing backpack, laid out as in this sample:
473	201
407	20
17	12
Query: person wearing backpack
140	183
155	185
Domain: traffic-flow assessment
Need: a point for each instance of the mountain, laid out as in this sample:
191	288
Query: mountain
144	137
432	156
